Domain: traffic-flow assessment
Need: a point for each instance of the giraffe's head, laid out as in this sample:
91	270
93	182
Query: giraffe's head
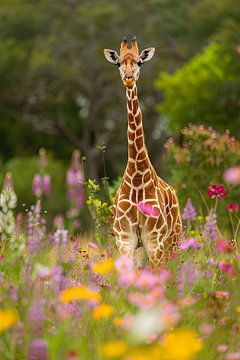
129	61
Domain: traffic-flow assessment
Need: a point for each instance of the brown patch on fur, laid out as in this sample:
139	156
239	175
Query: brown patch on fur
135	106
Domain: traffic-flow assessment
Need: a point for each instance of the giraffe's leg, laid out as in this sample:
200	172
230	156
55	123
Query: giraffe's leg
154	251
138	257
172	242
127	246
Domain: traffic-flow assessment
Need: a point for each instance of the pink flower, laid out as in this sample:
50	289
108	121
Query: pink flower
216	191
233	356
222	348
146	280
41	185
123	264
222	294
227	268
232	175
127	279
232	207
37	185
46	184
148	209
206	329
93	245
190	243
174	255
224	246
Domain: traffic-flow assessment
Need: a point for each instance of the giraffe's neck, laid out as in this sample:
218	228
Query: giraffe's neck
138	159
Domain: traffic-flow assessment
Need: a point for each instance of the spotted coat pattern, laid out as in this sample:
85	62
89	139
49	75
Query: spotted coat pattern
158	232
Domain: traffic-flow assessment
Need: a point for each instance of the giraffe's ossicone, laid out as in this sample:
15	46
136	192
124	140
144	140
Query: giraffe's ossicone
146	209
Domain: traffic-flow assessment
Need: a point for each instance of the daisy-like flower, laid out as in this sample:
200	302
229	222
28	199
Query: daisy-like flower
216	191
221	294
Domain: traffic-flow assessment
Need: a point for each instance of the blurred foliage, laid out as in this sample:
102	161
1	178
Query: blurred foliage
201	161
58	91
206	89
23	170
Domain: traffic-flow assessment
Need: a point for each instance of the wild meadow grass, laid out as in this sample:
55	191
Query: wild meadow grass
66	296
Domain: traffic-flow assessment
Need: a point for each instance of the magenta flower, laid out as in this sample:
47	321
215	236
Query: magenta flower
191	243
224	246
148	209
232	175
232	207
216	191
189	212
227	268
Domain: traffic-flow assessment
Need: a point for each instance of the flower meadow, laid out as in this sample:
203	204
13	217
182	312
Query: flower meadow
66	294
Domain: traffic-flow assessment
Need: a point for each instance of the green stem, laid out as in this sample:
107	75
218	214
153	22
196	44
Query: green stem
236	231
204	201
216	205
231	221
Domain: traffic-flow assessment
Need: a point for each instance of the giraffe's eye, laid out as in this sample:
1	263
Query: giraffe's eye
118	64
140	63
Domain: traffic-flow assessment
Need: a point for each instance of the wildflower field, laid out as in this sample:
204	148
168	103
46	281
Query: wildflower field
67	294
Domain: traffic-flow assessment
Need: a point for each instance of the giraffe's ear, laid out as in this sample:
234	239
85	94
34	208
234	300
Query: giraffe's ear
111	55
147	54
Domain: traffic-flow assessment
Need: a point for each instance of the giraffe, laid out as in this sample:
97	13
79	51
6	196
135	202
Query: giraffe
146	209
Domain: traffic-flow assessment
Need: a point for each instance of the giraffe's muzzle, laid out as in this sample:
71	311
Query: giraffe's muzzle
128	82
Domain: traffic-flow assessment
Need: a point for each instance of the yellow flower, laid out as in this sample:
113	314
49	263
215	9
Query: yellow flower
118	321
102	311
114	349
79	292
8	317
103	268
238	308
180	344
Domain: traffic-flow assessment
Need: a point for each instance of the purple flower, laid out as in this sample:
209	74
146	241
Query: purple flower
38	350
74	181
41	185
191	243
37	185
60	236
189	212
210	227
36	316
46	184
74	176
